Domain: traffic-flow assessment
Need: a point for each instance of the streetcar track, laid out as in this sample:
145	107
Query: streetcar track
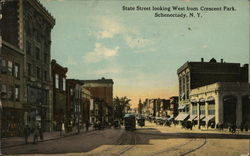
171	149
129	147
196	148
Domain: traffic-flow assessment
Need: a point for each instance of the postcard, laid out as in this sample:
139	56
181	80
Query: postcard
125	77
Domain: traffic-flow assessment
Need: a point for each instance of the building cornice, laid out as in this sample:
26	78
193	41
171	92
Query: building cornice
9	45
41	9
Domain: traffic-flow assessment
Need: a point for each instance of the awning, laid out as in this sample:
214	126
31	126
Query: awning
178	116
193	101
202	100
210	98
171	117
181	106
201	117
208	118
192	117
182	117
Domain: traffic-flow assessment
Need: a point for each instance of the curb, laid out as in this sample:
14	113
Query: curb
60	137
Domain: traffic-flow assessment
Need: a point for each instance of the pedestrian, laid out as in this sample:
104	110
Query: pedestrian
87	125
26	133
246	127
41	133
241	127
35	137
62	129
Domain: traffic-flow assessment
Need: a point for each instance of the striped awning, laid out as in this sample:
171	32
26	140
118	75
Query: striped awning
181	117
192	117
201	117
210	98
181	106
209	117
202	100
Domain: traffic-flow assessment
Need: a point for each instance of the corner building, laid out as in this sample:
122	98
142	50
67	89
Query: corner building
27	25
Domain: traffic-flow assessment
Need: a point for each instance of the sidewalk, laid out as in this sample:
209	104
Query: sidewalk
17	141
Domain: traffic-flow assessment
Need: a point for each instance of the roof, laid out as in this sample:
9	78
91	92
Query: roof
212	61
38	5
102	80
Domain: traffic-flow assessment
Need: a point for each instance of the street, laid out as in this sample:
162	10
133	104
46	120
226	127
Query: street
148	141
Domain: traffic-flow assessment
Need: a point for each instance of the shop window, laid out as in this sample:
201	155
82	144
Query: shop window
211	109
194	109
202	109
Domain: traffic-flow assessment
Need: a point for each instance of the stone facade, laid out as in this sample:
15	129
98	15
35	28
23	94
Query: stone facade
226	103
27	25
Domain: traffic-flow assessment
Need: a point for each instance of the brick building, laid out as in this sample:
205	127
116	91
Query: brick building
27	25
75	105
59	92
102	91
12	89
196	74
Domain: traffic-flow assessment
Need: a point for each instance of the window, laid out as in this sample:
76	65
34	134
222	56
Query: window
3	67
180	87
183	87
10	93
45	57
38	73
202	109
17	93
194	109
17	70
28	48
45	76
57	81
29	69
64	84
211	109
37	53
71	91
10	68
4	91
187	84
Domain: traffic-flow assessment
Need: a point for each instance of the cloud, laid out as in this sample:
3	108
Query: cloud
70	61
204	46
109	27
100	53
136	42
113	70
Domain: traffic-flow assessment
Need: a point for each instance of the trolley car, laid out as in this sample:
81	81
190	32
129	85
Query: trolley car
129	122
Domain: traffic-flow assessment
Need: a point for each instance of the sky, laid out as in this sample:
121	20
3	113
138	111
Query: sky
140	52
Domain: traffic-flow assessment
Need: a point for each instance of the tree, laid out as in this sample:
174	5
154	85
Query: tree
140	107
121	106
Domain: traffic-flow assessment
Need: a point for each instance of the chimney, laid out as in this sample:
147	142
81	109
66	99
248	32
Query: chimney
202	59
221	60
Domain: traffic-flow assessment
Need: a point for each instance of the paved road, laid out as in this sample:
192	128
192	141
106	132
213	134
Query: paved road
151	140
